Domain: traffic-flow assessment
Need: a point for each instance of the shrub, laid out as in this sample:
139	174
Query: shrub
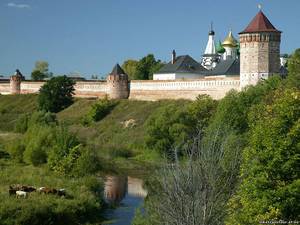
22	124
56	94
16	150
98	111
39	140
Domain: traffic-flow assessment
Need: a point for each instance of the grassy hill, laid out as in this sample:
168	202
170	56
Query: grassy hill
12	107
120	134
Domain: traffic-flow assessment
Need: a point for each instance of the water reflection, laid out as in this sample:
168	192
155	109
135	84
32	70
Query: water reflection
117	187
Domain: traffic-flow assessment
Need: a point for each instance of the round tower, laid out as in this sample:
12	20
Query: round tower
117	82
259	50
15	82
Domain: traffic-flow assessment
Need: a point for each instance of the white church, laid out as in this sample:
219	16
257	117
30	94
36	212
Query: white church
221	60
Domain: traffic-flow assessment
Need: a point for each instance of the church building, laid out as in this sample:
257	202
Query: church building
255	56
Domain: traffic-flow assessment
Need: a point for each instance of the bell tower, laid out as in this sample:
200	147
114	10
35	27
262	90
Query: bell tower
259	50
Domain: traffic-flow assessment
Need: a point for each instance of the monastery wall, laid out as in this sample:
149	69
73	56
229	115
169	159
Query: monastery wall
144	90
5	87
176	89
30	87
87	89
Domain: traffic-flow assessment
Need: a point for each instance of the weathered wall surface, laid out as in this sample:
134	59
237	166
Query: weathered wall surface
5	87
30	87
176	89
87	89
145	90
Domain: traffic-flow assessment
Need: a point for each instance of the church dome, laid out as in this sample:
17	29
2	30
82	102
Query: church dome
230	41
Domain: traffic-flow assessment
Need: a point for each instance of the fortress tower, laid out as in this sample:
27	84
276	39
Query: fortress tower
117	83
259	50
15	82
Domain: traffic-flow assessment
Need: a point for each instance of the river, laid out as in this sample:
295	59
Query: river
125	194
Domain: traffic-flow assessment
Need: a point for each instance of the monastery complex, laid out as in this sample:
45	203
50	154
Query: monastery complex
231	64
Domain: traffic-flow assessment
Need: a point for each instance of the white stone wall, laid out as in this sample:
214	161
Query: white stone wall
202	84
28	87
164	76
4	88
176	76
176	89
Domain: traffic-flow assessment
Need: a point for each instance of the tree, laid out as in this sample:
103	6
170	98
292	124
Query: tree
194	192
41	70
146	67
294	69
56	94
130	67
270	170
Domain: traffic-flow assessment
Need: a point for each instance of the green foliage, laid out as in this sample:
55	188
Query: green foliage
201	111
168	128
37	118
38	75
146	67
12	107
38	140
83	204
98	111
130	68
270	170
293	79
40	71
142	69
56	94
172	127
16	149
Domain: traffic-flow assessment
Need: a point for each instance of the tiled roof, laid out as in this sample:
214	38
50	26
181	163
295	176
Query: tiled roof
226	67
117	70
260	23
183	64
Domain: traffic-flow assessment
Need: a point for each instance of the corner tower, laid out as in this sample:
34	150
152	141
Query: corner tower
117	82
259	50
15	82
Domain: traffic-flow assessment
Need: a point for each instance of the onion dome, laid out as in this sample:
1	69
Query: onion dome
230	41
220	49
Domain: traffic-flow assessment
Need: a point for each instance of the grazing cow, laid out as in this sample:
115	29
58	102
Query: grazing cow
21	194
27	188
61	192
11	191
47	190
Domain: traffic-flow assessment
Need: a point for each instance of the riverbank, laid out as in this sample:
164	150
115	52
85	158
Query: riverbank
82	204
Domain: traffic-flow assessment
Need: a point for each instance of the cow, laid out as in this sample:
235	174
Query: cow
21	194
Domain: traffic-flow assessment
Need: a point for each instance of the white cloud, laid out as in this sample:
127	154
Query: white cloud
19	6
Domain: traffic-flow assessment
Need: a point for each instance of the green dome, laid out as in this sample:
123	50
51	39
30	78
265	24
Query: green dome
238	49
220	49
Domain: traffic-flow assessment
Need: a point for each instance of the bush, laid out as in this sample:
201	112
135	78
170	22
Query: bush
56	94
36	118
98	111
39	140
16	150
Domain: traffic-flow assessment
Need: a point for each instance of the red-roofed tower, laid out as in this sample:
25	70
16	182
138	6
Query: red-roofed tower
259	50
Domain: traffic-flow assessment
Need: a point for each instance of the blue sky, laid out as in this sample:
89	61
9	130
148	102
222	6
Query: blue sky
90	36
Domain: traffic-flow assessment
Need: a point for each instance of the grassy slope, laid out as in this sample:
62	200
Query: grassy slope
109	134
12	107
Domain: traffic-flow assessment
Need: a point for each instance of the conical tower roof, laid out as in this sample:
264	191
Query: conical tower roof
230	40
117	70
260	23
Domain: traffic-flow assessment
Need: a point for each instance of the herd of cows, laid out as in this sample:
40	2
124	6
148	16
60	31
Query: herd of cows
23	191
